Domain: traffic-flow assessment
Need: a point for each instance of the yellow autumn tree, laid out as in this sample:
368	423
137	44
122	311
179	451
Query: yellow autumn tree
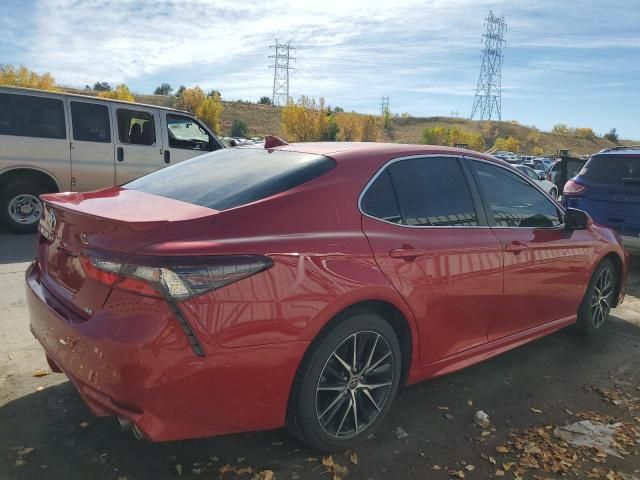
538	151
191	99
451	136
305	120
509	144
210	111
121	92
23	77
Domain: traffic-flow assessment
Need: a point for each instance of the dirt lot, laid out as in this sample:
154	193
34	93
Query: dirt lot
47	432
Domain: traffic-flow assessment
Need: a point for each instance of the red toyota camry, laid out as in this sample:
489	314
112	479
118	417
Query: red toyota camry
303	284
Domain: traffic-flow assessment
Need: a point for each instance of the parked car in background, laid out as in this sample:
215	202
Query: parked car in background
223	305
608	188
507	156
539	179
564	169
539	164
55	142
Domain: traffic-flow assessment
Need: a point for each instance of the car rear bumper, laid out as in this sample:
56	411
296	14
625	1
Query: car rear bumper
132	359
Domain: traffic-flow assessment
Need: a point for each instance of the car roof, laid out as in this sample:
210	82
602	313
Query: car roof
635	150
11	88
340	151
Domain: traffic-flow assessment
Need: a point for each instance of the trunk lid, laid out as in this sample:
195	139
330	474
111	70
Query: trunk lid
112	223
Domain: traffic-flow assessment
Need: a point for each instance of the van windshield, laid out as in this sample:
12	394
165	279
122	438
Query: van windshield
618	170
229	178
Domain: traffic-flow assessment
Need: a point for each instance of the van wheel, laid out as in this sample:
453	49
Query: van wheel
20	207
346	383
596	305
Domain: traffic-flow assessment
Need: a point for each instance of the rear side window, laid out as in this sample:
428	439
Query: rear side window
29	116
619	170
380	200
229	178
136	127
90	122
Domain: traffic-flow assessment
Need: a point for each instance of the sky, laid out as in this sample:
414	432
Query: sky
573	62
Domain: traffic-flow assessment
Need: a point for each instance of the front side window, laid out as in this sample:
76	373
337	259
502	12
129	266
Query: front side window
429	191
136	127
513	201
90	122
29	116
186	133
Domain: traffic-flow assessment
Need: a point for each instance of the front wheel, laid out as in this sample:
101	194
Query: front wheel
346	383
596	305
20	207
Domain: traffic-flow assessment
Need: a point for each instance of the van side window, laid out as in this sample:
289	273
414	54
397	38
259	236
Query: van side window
186	133
136	127
90	122
30	116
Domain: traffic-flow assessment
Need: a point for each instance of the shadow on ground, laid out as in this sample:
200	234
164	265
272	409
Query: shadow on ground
553	374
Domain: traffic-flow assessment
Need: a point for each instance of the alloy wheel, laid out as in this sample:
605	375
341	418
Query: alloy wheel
354	385
25	209
601	298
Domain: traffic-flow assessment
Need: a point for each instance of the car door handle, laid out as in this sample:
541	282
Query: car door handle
120	154
167	156
406	253
515	248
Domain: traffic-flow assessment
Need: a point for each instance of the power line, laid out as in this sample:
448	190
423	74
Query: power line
384	106
488	99
281	67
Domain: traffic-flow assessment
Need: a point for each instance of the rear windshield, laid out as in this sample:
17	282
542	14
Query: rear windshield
619	170
231	177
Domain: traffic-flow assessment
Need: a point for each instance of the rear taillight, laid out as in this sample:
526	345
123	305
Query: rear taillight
177	279
573	188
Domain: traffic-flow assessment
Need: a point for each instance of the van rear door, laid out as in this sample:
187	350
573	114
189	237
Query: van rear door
138	141
92	149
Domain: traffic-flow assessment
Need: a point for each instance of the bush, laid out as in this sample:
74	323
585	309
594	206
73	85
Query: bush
451	136
239	128
561	129
305	120
102	87
538	151
356	128
264	100
612	135
509	144
533	136
586	133
121	92
23	77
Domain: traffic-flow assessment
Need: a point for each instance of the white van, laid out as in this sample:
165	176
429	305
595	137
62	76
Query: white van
55	142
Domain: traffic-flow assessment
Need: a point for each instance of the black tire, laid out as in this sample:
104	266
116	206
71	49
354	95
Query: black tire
8	196
594	310
317	386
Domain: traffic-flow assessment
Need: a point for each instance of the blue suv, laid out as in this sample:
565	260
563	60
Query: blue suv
608	188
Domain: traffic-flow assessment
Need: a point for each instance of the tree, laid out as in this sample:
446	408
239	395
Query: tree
387	119
509	144
213	93
533	136
190	99
561	129
180	90
239	128
612	135
538	151
102	87
23	77
210	111
164	89
586	133
451	136
121	92
264	100
305	120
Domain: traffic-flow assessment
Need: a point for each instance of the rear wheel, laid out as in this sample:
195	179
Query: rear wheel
20	206
596	305
346	383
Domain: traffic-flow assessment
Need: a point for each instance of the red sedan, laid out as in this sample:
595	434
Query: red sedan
303	284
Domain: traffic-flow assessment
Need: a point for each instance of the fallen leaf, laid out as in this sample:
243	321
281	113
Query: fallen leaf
536	410
25	451
38	389
40	373
328	461
502	449
20	461
83	424
179	469
507	466
400	433
485	433
499	473
470	402
470	468
354	458
443	408
492	460
436	467
458	474
265	475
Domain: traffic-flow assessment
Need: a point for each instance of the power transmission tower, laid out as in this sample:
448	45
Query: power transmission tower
281	68
487	103
454	113
384	106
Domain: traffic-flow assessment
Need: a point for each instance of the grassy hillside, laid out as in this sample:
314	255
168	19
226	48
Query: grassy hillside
265	119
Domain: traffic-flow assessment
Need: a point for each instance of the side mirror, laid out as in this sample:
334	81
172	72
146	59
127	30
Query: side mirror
575	219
